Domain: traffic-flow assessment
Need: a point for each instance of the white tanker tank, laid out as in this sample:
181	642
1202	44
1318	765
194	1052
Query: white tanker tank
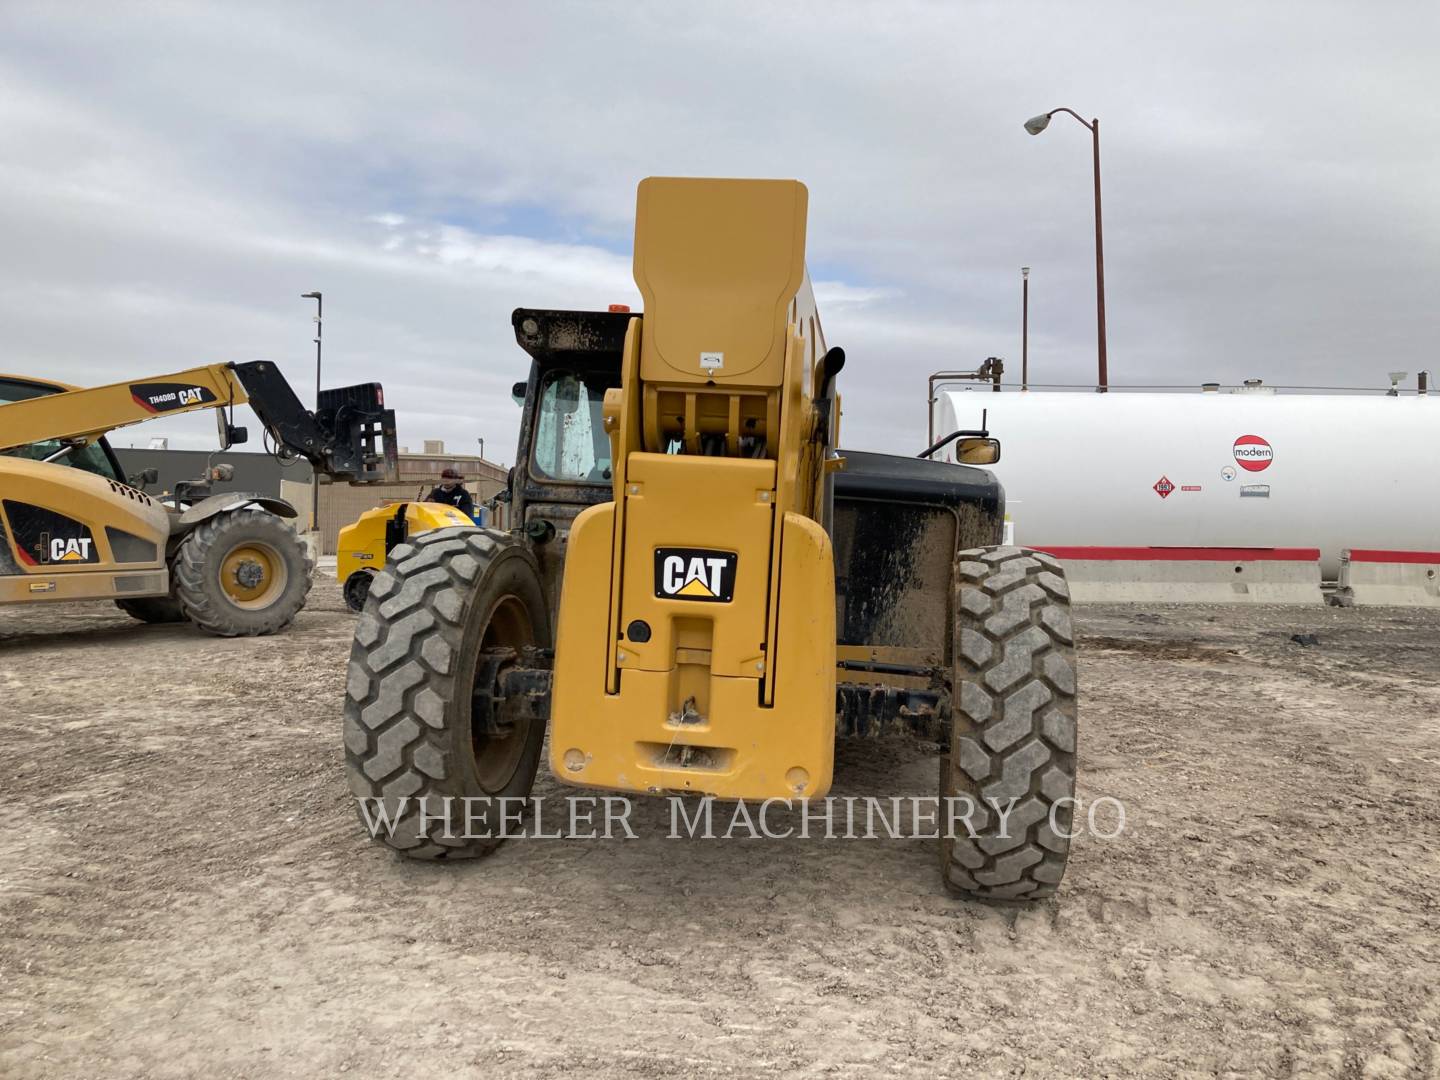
1206	469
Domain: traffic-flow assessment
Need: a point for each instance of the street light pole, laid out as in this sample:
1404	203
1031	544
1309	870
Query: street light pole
1035	125
1099	265
1024	328
319	331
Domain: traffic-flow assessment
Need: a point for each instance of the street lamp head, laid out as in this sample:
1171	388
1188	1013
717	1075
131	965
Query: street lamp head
1024	271
1037	124
310	296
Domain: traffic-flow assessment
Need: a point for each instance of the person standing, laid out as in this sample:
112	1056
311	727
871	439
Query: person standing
451	491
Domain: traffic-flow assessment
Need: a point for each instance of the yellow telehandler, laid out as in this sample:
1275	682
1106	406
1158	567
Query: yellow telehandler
702	592
72	526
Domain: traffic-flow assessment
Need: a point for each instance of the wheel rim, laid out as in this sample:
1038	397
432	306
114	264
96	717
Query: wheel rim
253	575
497	756
357	589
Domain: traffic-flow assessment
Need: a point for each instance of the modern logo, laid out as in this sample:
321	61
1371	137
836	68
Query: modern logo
1252	453
1163	487
695	574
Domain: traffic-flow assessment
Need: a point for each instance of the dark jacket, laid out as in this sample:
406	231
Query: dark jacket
457	497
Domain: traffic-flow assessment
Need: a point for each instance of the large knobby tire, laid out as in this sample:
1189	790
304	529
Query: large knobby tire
1013	725
411	743
153	609
241	573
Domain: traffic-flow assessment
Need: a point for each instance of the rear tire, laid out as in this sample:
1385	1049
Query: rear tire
357	588
241	573
411	748
153	609
1013	725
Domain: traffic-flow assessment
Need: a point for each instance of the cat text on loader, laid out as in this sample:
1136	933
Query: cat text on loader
729	591
72	527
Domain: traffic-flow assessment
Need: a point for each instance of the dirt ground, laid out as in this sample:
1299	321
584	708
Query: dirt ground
185	889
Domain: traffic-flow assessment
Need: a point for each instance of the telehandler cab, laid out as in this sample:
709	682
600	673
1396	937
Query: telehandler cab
702	592
72	527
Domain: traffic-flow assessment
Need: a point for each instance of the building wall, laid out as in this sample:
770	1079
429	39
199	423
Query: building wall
340	504
256	472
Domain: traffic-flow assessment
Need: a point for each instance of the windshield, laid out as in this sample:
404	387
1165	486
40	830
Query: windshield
91	459
570	440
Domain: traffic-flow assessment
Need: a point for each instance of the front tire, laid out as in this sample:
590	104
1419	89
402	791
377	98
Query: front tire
241	573
1013	725
357	588
445	607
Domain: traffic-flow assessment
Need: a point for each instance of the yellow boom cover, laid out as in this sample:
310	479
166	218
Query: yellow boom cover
696	641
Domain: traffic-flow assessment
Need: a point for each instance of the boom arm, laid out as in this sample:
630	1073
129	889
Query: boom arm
351	436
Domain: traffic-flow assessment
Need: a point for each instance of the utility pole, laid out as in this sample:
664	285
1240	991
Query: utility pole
319	330
1024	328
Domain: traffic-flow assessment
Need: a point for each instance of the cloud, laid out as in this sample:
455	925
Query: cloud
176	178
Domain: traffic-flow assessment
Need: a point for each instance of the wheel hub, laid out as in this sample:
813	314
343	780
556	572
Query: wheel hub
249	574
253	574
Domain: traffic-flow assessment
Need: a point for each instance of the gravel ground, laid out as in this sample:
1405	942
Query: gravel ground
185	889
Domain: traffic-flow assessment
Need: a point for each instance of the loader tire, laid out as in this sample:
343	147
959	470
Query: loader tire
444	602
1013	713
356	589
241	573
153	609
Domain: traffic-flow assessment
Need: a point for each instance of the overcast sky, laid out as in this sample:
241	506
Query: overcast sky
173	178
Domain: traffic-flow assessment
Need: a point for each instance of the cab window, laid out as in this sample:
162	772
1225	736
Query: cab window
570	442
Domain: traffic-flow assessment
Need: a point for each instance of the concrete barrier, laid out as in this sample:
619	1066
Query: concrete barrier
1191	575
1405	578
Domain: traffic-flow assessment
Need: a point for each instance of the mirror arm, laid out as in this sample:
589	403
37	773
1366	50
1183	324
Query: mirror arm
948	439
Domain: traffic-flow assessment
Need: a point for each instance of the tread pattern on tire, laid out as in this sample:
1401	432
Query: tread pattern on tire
402	672
197	595
1014	711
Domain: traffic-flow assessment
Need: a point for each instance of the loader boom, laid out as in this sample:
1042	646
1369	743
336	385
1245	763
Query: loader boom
350	436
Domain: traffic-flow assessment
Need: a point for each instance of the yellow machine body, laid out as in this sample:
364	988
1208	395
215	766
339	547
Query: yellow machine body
363	544
72	535
695	649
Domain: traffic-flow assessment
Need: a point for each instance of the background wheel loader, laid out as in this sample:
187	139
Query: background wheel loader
362	545
72	527
702	593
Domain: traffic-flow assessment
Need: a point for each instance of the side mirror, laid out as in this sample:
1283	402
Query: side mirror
230	435
144	478
976	451
517	393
